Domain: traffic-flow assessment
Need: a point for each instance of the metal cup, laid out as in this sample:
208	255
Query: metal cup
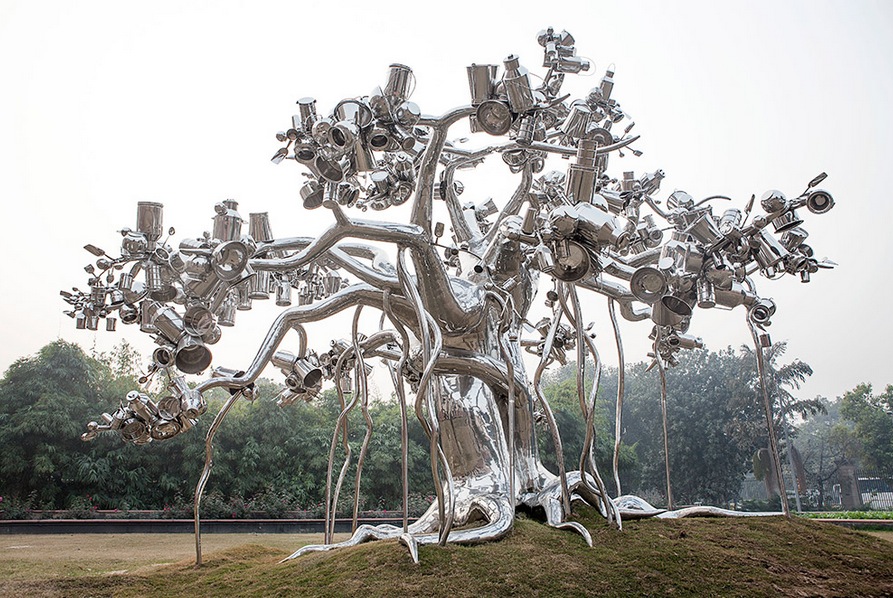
704	230
149	217
307	112
212	336
768	250
819	201
331	282
170	407
198	320
129	314
494	117
260	285
308	372
164	429
648	284
259	226
517	85
311	195
407	114
786	221
125	282
163	356
226	313
685	341
669	311
380	180
154	281
244	291
116	297
481	82
572	261
343	135
400	82
793	238
380	139
706	294
166	320
544	259
346	193
283	293
577	121
305	153
284	360
227	222
730	220
330	170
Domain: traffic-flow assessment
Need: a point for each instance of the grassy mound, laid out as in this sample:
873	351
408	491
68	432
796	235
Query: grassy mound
698	557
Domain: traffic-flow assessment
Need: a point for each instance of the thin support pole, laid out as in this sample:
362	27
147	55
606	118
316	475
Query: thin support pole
663	410
770	422
618	407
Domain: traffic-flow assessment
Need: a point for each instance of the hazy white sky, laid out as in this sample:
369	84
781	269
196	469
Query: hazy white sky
108	103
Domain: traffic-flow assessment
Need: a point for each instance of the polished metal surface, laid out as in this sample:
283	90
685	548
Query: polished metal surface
454	296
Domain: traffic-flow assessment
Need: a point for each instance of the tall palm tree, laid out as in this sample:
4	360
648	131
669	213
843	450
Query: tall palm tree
781	380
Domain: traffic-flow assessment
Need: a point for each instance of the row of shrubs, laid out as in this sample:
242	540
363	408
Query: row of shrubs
267	505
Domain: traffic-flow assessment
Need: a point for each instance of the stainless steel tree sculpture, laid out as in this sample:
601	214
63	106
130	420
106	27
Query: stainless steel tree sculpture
454	321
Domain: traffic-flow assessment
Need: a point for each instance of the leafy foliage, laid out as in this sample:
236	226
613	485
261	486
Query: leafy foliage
827	442
712	411
872	417
275	459
266	457
710	404
44	401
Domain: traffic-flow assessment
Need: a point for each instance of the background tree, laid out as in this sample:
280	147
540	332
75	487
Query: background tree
872	417
266	457
275	458
261	447
826	442
712	411
44	401
561	392
709	403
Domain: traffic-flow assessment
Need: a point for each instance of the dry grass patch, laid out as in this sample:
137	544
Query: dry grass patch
883	535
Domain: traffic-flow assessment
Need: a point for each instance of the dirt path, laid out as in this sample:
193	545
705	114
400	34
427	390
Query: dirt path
70	555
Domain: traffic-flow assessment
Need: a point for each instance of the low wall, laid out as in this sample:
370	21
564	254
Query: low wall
876	524
257	526
180	526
